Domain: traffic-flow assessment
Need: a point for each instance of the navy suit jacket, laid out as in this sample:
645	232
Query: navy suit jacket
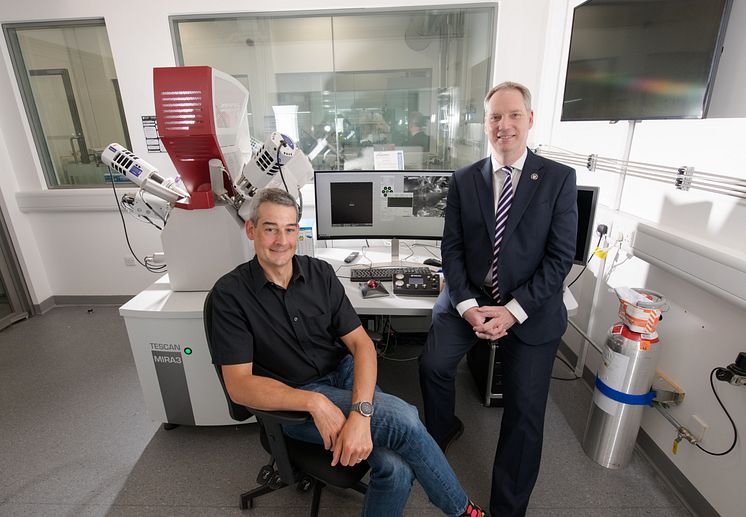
537	249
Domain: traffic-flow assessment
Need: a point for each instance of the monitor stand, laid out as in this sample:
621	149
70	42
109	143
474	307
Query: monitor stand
396	259
395	251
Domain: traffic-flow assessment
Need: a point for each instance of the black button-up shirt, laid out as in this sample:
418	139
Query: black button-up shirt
289	334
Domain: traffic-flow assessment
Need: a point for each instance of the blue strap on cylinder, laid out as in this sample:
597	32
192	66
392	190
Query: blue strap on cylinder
625	398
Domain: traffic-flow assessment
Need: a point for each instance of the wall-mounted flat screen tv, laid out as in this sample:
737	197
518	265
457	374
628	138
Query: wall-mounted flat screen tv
643	59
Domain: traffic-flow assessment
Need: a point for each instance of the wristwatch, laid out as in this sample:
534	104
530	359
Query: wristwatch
364	408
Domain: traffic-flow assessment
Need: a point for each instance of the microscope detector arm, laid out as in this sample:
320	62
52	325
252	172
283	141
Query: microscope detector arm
277	163
147	207
142	174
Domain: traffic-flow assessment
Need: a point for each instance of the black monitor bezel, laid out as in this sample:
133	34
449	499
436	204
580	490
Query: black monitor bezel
583	260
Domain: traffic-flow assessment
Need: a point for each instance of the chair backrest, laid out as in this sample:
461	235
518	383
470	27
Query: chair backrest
237	411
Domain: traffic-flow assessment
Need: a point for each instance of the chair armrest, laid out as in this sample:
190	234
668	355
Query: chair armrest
281	417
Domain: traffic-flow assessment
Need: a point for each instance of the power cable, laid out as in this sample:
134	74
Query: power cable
735	430
152	269
600	236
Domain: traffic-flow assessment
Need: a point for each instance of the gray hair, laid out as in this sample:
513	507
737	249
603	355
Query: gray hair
509	85
270	195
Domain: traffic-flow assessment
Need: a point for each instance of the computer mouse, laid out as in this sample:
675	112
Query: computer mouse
432	262
372	283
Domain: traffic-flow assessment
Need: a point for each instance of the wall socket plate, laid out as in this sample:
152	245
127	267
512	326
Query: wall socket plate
129	261
698	427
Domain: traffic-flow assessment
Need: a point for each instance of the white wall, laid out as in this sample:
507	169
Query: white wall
728	99
700	331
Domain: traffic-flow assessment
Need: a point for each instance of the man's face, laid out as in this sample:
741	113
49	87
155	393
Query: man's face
275	235
506	123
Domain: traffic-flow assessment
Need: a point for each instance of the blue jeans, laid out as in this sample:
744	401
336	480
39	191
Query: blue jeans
402	450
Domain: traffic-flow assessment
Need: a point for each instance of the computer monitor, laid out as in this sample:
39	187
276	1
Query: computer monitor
587	199
381	204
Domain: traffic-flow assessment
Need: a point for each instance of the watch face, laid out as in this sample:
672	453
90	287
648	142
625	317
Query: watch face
366	408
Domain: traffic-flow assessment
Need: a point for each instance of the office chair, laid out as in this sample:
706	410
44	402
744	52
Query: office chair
307	464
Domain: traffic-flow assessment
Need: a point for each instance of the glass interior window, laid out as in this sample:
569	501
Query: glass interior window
356	87
70	89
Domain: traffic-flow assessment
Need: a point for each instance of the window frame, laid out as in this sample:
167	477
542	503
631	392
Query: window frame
10	31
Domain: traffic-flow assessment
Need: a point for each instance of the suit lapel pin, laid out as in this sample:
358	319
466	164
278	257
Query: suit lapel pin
534	176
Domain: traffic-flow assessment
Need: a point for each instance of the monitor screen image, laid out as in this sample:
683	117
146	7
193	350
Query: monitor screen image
381	204
351	204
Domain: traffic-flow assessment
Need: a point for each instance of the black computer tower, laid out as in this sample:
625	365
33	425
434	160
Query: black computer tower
487	379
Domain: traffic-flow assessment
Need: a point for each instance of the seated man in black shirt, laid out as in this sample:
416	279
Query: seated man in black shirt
287	338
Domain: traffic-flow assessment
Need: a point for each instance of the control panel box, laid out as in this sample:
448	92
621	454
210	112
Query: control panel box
409	284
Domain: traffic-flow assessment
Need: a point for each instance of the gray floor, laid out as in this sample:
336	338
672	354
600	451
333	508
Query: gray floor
75	440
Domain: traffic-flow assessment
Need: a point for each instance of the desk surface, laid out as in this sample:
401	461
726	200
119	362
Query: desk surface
393	305
158	300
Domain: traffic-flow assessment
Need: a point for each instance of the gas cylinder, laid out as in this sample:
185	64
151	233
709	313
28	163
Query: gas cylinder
623	381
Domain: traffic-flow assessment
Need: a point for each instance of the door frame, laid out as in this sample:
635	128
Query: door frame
16	289
64	75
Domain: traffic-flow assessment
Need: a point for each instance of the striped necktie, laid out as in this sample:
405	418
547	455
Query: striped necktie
501	218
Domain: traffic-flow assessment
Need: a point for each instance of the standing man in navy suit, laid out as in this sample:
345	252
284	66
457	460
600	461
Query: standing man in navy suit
508	243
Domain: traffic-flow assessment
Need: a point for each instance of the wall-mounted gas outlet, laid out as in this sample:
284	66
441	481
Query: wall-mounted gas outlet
698	427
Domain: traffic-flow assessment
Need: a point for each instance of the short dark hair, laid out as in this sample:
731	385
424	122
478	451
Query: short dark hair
510	85
270	195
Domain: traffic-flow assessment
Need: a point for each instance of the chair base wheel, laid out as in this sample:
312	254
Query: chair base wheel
275	481
305	484
265	474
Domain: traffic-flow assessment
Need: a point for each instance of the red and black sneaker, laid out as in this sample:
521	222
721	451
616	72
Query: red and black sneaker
473	510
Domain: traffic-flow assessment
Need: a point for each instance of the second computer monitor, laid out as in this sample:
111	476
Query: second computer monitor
381	204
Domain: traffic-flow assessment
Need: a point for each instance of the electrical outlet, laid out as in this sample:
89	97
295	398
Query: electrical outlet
623	232
698	427
129	261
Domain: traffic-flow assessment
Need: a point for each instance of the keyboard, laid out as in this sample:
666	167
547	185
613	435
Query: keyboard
385	273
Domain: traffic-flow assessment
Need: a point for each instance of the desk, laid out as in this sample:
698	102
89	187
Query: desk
393	305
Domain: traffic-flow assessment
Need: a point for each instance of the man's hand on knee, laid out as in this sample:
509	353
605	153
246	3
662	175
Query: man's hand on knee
354	443
328	419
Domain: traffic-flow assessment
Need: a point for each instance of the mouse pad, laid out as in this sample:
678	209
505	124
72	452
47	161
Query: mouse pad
375	292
